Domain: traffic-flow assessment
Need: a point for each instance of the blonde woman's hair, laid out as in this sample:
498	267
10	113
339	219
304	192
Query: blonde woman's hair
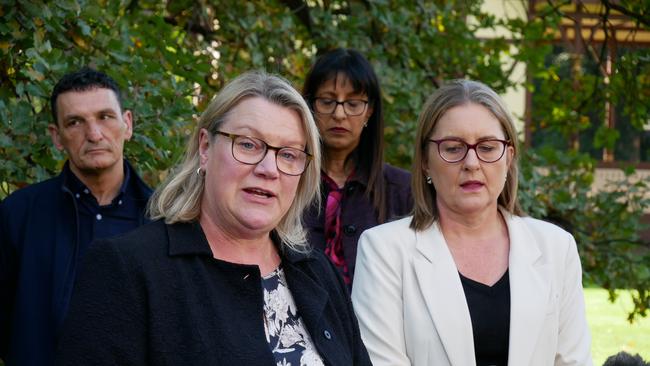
178	199
452	94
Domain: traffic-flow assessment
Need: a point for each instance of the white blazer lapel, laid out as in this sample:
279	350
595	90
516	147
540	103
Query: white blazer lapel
442	290
529	291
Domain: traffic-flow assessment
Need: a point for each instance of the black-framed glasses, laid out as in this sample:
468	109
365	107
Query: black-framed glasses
351	107
251	150
453	150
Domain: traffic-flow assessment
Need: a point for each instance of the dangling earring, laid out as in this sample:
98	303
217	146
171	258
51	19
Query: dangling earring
429	180
365	124
200	172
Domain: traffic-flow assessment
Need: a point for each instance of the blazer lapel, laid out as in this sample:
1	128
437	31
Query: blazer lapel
529	291
443	294
311	300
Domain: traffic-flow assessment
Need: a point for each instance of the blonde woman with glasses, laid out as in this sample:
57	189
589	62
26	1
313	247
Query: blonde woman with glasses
224	276
468	279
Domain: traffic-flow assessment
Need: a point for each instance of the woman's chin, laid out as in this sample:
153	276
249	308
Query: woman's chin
473	206
253	223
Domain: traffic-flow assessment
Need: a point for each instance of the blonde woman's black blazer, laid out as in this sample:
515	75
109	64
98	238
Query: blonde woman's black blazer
156	296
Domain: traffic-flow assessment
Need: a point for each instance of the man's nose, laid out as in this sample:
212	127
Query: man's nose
93	131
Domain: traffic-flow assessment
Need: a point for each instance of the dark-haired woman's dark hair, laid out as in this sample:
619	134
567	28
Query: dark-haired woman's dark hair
369	154
83	80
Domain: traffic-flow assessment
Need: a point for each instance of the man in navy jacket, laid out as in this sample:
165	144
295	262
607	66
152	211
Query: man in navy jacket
46	228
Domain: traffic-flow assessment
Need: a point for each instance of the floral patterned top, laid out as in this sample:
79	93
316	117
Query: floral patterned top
285	332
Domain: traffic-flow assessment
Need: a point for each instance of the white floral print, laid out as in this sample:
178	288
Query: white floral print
287	336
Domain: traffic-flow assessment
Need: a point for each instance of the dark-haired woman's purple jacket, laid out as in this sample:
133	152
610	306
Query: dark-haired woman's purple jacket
357	212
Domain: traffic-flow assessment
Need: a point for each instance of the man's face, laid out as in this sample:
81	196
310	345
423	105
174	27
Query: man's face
92	129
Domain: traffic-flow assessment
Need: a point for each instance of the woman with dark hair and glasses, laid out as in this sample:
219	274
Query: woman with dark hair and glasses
359	190
468	279
225	275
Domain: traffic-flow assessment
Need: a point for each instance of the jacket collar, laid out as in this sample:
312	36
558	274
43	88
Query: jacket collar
188	239
141	190
357	177
310	297
443	295
530	287
437	274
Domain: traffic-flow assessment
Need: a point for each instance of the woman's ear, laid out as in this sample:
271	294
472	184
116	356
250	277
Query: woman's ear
510	154
204	147
425	166
369	111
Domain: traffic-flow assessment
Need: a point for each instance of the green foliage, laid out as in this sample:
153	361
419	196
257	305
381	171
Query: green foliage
171	56
151	60
605	223
570	94
413	46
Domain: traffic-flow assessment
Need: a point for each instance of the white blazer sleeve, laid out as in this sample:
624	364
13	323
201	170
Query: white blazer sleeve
573	334
377	297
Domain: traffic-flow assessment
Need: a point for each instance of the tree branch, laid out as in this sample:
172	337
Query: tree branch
640	18
301	10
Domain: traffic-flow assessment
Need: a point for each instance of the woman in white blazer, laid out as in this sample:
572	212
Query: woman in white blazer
468	280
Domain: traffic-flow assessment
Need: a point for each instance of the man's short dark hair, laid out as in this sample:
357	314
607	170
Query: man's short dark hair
83	80
624	359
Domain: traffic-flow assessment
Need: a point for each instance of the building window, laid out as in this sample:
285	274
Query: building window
602	100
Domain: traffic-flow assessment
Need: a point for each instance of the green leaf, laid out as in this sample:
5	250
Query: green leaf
606	137
70	5
85	28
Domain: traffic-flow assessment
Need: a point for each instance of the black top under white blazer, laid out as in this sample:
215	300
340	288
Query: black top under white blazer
412	309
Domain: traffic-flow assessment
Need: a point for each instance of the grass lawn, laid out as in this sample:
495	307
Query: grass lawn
610	330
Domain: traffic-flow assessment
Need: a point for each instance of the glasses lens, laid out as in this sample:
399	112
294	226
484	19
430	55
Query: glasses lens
291	161
452	150
490	151
248	150
325	105
354	107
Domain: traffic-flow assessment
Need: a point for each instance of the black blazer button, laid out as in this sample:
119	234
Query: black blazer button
349	230
327	334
